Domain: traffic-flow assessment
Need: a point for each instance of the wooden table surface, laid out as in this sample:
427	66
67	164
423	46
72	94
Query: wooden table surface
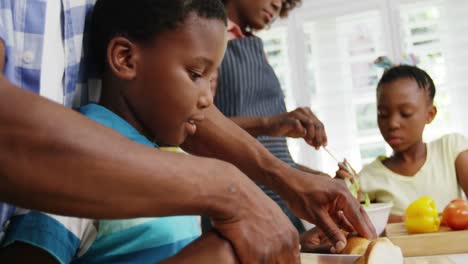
442	259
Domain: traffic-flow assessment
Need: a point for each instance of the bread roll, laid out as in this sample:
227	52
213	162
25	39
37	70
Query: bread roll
356	246
381	251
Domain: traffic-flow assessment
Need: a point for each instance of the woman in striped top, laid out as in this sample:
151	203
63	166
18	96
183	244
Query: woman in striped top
248	91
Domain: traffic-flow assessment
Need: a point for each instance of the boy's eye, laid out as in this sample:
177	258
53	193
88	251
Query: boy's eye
194	75
406	115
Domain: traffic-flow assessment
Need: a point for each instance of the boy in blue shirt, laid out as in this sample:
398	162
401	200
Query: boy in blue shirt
156	83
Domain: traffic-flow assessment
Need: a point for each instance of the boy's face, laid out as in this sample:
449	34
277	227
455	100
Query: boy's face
171	87
257	14
404	109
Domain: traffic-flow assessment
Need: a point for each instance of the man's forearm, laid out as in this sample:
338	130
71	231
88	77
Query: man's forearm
56	160
219	137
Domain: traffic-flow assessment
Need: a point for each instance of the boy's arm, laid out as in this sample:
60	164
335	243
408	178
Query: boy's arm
461	167
311	197
209	248
25	253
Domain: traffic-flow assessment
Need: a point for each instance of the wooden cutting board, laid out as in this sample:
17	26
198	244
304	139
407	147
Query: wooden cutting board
443	242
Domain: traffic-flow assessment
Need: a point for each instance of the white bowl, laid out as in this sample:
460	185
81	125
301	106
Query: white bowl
378	214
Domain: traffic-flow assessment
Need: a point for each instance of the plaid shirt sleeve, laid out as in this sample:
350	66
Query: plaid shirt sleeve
22	27
6	211
2	30
5	21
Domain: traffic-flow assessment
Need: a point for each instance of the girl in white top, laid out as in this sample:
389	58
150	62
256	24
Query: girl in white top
405	96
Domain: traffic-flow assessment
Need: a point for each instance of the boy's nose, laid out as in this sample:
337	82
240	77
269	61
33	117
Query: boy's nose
206	98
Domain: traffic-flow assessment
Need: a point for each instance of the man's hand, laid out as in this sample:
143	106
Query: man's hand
300	123
315	241
258	229
327	203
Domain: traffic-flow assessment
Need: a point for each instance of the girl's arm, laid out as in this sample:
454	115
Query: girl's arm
461	167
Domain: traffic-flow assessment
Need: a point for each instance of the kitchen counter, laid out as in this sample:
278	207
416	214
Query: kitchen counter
441	259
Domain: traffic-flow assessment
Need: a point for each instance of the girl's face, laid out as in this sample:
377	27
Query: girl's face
173	73
256	14
404	109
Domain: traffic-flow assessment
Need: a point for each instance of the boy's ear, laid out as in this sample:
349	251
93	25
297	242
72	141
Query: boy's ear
121	57
431	114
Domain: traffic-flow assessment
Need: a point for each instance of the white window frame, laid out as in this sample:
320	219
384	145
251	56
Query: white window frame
296	46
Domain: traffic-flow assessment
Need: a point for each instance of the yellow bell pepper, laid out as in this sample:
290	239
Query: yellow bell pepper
422	216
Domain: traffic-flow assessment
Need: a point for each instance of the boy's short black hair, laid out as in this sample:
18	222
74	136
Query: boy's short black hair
142	20
289	5
407	71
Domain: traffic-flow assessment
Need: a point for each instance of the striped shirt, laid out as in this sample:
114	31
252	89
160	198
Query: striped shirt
22	31
79	240
247	86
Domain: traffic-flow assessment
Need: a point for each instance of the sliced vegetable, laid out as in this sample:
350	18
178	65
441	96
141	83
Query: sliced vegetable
355	190
366	200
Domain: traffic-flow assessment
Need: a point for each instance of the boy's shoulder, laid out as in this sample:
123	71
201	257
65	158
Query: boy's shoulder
106	117
98	114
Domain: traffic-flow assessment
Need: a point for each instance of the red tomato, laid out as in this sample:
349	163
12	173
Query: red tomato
455	214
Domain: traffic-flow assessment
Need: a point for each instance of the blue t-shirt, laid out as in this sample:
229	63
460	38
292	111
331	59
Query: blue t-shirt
79	240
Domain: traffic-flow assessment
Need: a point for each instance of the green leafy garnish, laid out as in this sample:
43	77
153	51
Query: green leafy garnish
355	190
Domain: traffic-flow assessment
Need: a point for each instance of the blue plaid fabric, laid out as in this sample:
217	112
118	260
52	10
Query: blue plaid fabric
22	27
